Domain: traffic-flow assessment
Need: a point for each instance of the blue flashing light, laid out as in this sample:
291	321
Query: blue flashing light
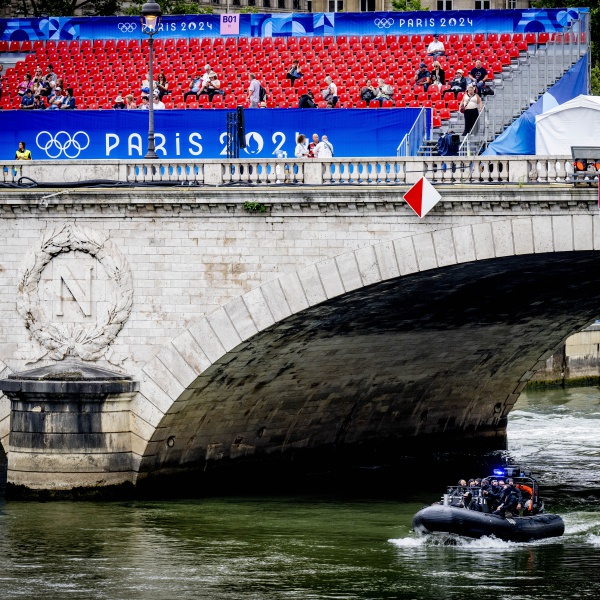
499	472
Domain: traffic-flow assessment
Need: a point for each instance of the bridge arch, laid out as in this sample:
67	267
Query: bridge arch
432	338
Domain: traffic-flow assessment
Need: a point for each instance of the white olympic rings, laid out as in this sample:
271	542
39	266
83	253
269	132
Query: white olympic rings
63	142
384	23
127	27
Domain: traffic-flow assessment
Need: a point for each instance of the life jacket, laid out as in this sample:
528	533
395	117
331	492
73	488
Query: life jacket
525	488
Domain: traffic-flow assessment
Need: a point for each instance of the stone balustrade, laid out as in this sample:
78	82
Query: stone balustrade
334	171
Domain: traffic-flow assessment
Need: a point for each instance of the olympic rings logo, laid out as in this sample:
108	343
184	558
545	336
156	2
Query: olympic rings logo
384	23
127	27
62	143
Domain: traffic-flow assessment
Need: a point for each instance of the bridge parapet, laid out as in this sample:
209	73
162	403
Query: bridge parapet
384	171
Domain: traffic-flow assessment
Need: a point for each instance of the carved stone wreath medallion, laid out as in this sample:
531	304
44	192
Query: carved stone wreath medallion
87	341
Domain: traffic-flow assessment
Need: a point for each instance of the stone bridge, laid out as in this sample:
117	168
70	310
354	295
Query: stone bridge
334	328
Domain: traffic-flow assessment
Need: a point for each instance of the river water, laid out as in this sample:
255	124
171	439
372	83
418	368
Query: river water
319	547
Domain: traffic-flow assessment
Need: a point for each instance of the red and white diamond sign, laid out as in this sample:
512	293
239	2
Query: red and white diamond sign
422	197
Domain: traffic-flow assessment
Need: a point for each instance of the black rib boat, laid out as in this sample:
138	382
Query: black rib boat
451	517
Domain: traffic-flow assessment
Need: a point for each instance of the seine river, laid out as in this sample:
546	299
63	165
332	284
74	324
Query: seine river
319	547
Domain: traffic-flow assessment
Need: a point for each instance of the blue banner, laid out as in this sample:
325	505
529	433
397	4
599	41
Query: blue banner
297	24
122	134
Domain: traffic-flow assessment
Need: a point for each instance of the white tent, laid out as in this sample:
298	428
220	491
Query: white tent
574	123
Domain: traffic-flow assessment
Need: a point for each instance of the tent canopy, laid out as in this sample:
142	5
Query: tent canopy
574	123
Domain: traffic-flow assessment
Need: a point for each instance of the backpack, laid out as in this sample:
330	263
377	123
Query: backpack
367	95
262	94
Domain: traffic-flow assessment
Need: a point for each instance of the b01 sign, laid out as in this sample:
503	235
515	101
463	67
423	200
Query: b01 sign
230	24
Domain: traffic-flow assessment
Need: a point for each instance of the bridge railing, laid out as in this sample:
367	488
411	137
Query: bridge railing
328	172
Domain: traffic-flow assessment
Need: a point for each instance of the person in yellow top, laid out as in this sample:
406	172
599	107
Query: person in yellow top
22	153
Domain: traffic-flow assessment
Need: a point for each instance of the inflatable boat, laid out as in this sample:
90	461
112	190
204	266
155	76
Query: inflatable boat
468	511
468	523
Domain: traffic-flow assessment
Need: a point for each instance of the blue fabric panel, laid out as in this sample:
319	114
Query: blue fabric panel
82	134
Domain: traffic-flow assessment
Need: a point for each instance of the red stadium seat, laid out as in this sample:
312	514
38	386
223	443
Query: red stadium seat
374	104
444	114
387	104
437	122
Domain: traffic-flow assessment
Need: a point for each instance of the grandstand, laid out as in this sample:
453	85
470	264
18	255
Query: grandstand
99	70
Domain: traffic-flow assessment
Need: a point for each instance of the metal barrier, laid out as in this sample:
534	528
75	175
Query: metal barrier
411	142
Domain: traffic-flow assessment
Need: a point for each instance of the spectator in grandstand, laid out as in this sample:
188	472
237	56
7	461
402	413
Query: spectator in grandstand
471	105
56	99
212	86
119	103
36	81
422	76
438	77
330	93
148	88
301	147
478	76
68	102
162	85
25	85
145	105
458	83
27	100
45	88
195	86
253	91
436	47
51	76
38	102
312	146
324	148
294	72
207	71
22	153
368	92
384	91
158	104
307	100
130	102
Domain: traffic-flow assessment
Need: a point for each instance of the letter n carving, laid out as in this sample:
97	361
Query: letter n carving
80	290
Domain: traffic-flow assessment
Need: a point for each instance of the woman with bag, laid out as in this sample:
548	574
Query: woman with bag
471	106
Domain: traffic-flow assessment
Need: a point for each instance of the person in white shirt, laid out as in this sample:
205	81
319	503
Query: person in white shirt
324	149
330	93
157	103
301	147
436	48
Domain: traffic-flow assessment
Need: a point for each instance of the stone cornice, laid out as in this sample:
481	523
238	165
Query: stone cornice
284	201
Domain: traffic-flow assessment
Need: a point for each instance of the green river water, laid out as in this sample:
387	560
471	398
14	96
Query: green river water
319	546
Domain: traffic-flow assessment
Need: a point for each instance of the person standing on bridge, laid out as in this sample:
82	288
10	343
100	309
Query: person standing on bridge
22	153
324	149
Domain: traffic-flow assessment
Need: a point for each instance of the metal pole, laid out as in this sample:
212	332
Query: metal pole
151	152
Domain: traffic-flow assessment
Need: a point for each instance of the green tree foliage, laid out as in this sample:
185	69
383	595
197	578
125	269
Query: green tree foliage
172	7
407	5
249	9
595	83
67	8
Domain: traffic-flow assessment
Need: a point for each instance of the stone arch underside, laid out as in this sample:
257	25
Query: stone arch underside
431	358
